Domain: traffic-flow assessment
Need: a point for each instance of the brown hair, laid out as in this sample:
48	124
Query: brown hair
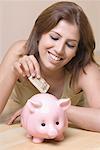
72	13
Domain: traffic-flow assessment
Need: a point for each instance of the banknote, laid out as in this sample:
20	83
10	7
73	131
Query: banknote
40	84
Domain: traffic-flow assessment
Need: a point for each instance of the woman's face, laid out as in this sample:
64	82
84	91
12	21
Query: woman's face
58	46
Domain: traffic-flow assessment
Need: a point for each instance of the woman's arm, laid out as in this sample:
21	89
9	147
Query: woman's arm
85	117
8	75
88	117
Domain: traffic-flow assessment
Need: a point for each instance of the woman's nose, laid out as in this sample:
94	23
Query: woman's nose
60	48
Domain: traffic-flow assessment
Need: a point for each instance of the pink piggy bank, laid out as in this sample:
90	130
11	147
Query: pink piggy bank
45	117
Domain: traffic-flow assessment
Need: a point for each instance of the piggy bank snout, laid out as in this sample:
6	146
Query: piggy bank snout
52	133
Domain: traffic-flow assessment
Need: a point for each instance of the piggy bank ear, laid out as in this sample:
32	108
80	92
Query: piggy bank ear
64	103
33	105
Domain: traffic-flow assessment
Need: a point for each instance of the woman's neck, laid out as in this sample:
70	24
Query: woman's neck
52	75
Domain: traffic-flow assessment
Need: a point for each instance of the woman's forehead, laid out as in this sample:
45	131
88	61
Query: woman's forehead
65	28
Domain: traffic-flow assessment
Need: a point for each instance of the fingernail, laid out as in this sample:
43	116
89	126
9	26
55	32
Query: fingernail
28	75
38	76
24	75
33	74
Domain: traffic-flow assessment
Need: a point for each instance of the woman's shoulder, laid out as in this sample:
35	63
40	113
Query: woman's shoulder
89	69
18	43
90	74
18	48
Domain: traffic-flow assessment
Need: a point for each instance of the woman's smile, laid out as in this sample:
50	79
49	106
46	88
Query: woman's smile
54	57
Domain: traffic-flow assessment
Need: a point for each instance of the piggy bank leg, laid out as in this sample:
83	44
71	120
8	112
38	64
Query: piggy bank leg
37	140
60	137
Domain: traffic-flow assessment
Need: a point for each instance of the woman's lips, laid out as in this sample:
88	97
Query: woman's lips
54	57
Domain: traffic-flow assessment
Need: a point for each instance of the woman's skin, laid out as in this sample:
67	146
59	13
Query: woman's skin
56	48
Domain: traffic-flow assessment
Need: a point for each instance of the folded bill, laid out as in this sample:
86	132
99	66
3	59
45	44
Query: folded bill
40	84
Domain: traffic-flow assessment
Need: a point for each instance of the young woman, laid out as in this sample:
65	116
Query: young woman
60	49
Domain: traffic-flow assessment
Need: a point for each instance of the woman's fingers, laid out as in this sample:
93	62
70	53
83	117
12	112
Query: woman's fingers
28	66
14	117
36	66
17	66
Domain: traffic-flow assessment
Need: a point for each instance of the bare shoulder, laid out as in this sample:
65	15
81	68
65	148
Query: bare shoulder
91	74
91	70
91	77
18	48
89	82
13	53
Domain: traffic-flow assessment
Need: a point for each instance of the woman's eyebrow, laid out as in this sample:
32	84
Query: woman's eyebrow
56	33
72	40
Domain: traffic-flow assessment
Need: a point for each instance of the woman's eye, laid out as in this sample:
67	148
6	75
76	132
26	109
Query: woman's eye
54	38
70	45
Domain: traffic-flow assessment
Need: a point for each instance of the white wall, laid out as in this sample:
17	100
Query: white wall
17	18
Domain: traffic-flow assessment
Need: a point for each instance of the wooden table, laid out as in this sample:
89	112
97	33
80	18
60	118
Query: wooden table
13	138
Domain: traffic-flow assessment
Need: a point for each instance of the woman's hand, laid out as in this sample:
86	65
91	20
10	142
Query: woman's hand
14	117
27	66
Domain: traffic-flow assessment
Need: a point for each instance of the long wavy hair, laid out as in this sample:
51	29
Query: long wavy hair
73	14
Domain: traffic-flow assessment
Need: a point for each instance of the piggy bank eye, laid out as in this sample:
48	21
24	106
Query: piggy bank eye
57	123
43	124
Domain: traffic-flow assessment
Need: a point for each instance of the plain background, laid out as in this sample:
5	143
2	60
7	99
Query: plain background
17	19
